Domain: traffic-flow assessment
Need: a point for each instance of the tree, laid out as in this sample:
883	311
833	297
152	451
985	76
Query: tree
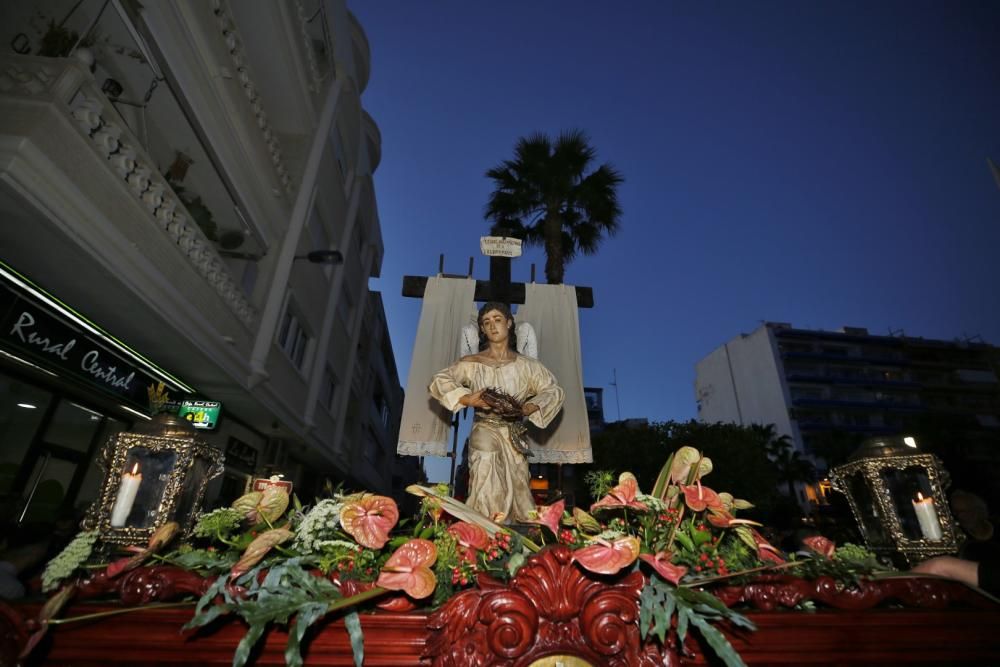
545	196
789	463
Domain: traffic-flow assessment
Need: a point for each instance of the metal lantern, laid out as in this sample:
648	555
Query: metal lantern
897	496
154	474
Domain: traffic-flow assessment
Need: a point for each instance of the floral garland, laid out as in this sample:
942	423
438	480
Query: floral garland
275	562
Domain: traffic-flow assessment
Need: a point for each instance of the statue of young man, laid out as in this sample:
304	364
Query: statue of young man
499	482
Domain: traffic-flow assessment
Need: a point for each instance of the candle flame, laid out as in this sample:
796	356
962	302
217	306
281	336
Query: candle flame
920	496
135	468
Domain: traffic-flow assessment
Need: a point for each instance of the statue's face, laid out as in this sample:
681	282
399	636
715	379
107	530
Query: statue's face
495	326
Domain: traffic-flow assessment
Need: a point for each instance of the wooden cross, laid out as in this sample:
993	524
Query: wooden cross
498	288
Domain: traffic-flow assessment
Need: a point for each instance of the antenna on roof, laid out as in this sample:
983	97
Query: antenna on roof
896	332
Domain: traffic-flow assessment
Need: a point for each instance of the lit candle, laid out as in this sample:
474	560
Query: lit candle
928	518
126	496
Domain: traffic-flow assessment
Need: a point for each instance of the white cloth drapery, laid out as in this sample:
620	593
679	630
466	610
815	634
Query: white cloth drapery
552	311
448	305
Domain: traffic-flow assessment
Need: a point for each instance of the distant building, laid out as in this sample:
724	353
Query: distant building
193	188
594	398
810	383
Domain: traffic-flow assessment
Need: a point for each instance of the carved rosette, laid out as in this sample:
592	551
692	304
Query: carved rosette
552	607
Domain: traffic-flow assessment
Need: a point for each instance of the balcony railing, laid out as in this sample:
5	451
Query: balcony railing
73	91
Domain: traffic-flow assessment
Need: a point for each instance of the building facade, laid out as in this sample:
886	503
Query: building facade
186	188
816	385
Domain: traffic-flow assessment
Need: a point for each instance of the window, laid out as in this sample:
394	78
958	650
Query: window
293	338
328	390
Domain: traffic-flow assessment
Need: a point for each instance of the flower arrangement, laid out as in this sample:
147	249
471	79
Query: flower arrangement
272	561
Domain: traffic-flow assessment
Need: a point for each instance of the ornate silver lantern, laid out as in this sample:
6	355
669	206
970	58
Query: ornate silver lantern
154	474
897	497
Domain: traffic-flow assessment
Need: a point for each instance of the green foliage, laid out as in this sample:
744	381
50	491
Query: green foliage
599	482
743	467
287	591
206	561
661	601
849	564
71	558
218	524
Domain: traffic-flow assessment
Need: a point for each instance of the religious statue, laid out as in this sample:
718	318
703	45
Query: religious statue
504	387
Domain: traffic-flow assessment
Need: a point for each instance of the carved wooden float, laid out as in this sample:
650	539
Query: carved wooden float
551	608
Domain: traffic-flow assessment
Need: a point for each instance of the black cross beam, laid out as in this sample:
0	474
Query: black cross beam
498	288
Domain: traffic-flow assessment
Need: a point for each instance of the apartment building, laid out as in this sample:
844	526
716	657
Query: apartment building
186	197
811	384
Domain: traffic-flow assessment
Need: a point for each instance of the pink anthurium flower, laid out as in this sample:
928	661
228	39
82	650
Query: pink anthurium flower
471	539
765	550
369	518
604	557
723	519
699	497
549	516
661	563
622	495
408	569
821	545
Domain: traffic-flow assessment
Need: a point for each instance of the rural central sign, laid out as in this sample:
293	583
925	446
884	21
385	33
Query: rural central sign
500	246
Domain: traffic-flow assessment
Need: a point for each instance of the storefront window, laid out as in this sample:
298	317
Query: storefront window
22	410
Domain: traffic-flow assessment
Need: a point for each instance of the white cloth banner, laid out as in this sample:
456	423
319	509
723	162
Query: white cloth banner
448	305
552	311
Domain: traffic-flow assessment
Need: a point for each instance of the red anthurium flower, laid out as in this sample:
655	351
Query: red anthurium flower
699	497
549	516
408	569
821	545
765	550
369	518
470	537
604	557
723	519
622	495
661	563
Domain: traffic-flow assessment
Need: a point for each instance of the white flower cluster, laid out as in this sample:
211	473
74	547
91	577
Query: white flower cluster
68	560
318	526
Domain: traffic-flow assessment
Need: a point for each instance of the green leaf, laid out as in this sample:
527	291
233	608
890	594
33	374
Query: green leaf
663	479
242	653
645	610
200	618
723	649
683	616
515	562
308	614
353	624
683	538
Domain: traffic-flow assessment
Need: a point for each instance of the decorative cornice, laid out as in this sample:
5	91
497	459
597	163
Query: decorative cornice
234	45
316	73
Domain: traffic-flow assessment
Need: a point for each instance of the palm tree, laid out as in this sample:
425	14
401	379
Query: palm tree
545	196
789	463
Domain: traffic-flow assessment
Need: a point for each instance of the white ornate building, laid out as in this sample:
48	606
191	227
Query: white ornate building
165	185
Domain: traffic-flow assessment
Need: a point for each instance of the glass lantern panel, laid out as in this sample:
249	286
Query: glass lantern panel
188	499
913	500
150	481
872	522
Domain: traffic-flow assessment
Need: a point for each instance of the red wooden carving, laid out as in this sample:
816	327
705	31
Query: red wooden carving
550	607
771	592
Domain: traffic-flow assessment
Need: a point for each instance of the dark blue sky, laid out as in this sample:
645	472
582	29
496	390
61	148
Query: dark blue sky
823	164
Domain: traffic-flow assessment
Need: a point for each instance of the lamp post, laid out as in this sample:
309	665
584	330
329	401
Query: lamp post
896	494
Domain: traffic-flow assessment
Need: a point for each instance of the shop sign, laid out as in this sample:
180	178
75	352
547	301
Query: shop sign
201	414
30	331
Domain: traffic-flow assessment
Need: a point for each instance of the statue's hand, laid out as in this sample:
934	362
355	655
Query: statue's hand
475	400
